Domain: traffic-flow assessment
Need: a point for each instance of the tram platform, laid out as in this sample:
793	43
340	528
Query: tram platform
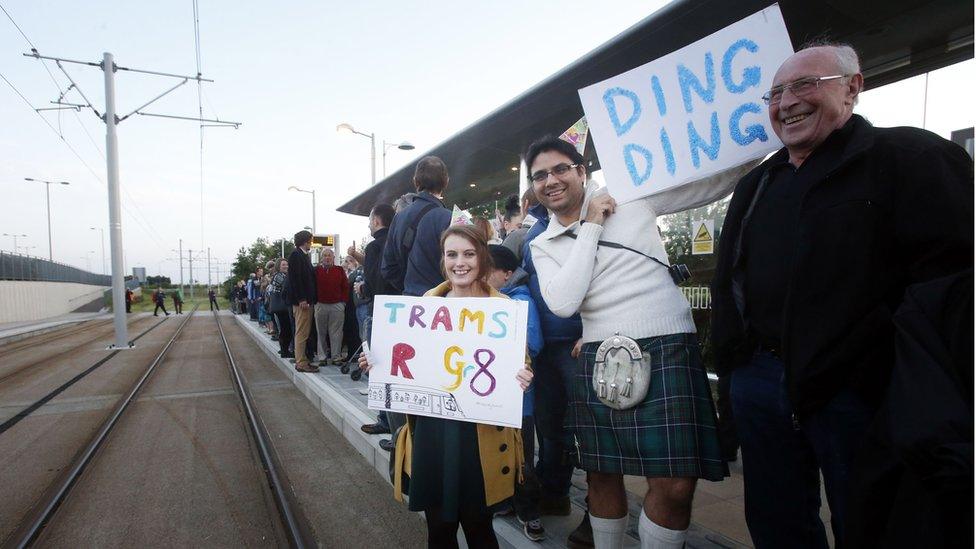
718	518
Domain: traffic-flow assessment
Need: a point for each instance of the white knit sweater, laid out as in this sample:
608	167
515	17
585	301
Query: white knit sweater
617	290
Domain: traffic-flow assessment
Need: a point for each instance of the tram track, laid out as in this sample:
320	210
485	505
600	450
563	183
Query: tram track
289	520
36	345
51	395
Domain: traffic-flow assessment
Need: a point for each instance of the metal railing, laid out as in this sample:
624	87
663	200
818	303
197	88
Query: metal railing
22	267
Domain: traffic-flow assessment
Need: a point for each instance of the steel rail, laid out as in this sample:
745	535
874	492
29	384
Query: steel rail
296	527
20	416
29	343
27	534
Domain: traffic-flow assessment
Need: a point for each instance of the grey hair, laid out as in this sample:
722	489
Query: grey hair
848	61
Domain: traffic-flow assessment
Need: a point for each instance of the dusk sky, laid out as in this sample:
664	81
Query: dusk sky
290	73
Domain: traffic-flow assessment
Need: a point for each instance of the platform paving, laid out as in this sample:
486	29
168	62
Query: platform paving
718	518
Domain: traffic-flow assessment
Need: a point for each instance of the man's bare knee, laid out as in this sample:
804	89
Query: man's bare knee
675	493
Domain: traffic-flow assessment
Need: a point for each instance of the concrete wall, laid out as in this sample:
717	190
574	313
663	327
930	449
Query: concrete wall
23	300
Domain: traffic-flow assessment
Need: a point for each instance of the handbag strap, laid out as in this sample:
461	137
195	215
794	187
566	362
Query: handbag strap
622	247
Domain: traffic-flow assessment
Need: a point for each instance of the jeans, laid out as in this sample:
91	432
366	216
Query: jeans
362	313
554	369
782	460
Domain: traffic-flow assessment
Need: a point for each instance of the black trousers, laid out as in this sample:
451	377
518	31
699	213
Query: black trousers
158	307
213	305
478	532
285	333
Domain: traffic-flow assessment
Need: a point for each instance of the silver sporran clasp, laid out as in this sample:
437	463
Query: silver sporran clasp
621	372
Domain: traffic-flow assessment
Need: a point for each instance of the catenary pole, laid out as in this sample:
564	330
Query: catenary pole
50	247
114	204
191	274
208	268
181	264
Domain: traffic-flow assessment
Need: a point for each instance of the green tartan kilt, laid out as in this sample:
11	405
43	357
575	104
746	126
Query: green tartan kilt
670	434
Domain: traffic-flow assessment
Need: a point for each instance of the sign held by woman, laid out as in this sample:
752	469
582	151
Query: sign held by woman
452	358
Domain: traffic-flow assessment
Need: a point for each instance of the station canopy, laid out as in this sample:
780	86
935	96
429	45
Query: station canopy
896	39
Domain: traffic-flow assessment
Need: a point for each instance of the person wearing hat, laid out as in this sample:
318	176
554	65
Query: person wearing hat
527	495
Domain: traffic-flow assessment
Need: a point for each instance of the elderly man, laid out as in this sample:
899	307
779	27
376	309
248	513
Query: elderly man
652	415
332	291
819	244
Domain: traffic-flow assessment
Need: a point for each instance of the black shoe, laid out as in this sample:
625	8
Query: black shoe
557	507
274	338
582	536
386	444
375	429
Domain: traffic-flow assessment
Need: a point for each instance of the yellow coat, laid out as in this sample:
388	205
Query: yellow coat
500	448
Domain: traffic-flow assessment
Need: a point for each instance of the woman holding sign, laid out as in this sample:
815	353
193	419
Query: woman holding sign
438	454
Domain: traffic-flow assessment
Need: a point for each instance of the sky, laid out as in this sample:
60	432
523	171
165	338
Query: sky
290	73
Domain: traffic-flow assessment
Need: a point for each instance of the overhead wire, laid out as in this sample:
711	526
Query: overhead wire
144	224
74	151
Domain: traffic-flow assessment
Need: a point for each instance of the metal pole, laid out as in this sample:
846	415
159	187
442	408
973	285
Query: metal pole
181	264
50	252
191	274
104	268
114	204
314	226
208	268
282	247
372	157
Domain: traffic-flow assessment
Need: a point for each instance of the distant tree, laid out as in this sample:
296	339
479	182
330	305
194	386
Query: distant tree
262	250
158	281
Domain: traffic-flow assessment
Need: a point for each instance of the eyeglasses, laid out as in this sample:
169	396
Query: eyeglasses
557	170
800	88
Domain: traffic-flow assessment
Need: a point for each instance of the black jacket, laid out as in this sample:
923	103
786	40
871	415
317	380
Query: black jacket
896	209
375	284
913	479
301	278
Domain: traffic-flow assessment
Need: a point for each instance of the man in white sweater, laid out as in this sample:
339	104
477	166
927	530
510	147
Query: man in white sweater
606	261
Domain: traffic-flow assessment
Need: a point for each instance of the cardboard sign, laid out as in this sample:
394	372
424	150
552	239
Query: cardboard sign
690	114
454	358
702	237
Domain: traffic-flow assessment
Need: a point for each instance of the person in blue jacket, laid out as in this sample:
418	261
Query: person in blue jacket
526	499
411	256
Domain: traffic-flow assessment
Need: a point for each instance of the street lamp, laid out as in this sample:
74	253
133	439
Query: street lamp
16	236
104	270
27	249
347	128
87	258
403	146
312	192
50	252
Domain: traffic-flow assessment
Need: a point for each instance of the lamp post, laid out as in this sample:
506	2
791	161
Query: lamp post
104	269
312	192
403	146
50	248
16	236
347	128
87	258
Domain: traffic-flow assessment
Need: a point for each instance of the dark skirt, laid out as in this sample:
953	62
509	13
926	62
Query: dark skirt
446	476
670	434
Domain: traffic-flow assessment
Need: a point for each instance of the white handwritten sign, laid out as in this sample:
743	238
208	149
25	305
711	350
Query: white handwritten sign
454	358
690	114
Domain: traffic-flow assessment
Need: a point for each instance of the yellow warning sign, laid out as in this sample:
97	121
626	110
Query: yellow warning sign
703	242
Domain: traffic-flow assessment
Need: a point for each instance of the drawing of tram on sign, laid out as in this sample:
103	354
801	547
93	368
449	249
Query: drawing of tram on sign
414	400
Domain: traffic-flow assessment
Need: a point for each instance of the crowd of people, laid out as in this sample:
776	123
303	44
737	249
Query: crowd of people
833	287
310	311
